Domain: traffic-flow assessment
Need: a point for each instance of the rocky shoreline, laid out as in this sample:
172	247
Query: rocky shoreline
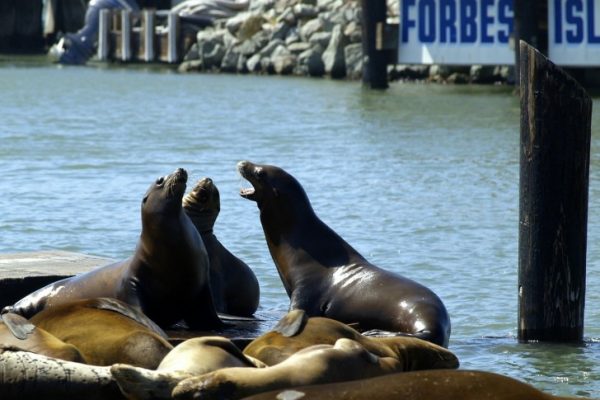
318	38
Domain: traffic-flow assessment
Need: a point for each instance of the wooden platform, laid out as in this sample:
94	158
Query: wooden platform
23	273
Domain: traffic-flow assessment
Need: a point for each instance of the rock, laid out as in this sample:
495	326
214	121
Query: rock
310	28
333	56
305	11
292	36
288	17
190	66
230	60
310	62
410	72
458	78
283	60
253	63
261	6
298	47
269	48
353	56
250	25
211	54
482	74
353	31
320	38
280	31
192	53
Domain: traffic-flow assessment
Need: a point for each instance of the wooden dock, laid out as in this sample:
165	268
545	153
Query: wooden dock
23	273
146	36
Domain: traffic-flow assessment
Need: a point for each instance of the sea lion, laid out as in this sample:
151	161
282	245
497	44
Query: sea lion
418	385
192	357
295	331
234	286
345	360
167	278
325	276
106	331
36	340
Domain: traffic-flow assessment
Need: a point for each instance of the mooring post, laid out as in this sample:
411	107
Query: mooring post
125	35
374	13
554	156
173	37
148	32
103	34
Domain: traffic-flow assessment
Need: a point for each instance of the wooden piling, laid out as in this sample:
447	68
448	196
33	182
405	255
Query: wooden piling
125	35
148	29
374	13
103	35
554	157
173	37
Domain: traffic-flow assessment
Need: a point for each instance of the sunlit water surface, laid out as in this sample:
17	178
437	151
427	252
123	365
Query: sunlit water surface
422	179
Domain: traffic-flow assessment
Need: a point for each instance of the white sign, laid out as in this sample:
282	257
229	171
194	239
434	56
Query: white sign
456	32
574	32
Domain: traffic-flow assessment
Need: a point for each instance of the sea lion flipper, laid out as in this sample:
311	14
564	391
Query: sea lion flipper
202	314
19	326
292	323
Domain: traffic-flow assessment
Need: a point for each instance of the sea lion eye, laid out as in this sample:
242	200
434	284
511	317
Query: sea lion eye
260	173
160	180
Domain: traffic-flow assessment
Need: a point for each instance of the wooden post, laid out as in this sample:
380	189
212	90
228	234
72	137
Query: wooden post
554	156
173	37
125	35
148	29
103	34
374	14
529	15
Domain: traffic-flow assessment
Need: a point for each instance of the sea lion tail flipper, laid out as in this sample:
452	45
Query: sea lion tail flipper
292	323
19	326
140	383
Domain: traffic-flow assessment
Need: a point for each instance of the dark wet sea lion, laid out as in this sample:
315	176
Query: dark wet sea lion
36	340
325	276
192	357
419	385
167	277
345	360
295	332
106	331
234	286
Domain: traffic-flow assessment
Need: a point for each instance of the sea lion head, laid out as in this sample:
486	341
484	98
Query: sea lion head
277	193
164	196
203	204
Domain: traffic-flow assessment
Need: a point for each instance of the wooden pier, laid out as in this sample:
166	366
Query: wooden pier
147	36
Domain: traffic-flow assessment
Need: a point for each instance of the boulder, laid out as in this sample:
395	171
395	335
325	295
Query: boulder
353	56
333	56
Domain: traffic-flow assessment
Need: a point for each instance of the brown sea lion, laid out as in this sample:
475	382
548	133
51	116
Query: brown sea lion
295	331
418	385
192	357
36	340
234	286
345	360
167	278
106	331
325	276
